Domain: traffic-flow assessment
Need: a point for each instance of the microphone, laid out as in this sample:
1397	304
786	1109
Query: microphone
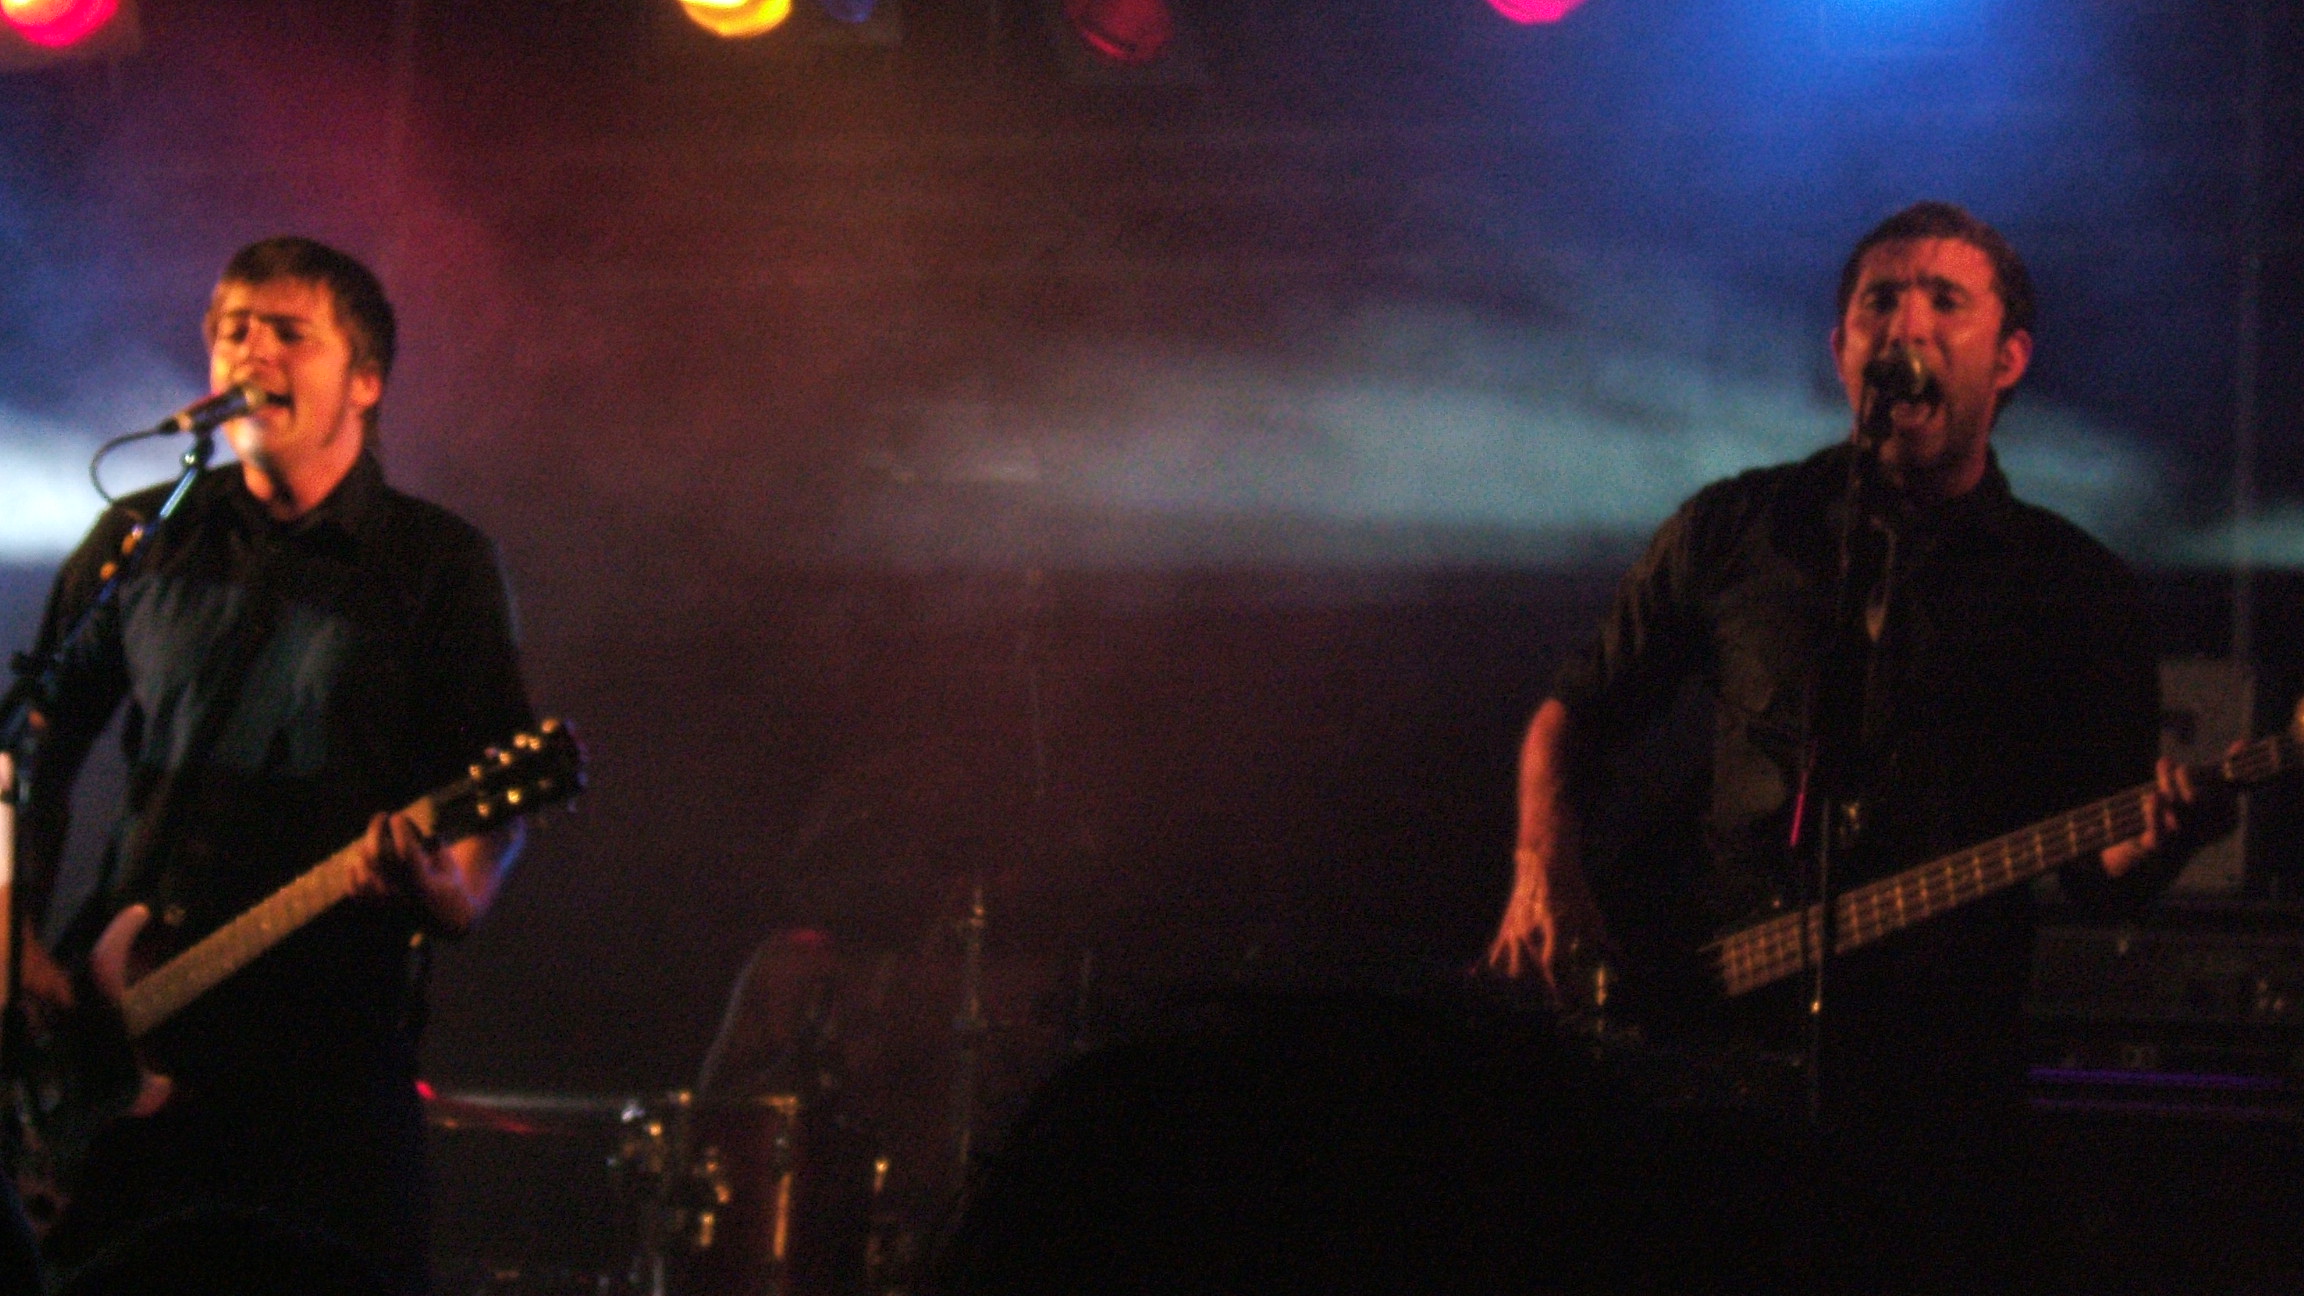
223	407
1898	374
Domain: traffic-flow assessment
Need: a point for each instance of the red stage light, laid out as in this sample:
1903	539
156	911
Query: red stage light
1535	11
54	24
1133	32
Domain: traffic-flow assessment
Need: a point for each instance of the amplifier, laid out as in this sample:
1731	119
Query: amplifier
2206	705
2217	994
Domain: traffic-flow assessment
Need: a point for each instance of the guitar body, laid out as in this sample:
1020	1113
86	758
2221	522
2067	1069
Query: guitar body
75	1074
1660	1026
80	1072
114	966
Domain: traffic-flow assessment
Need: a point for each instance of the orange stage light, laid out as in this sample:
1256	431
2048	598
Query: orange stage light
54	24
734	18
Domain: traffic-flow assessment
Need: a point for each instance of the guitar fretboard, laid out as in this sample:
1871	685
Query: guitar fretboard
236	944
1772	950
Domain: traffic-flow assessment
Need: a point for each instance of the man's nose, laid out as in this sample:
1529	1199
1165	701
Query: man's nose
258	343
1909	321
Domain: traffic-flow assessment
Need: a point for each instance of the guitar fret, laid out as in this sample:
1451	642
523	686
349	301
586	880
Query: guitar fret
1778	947
551	753
236	944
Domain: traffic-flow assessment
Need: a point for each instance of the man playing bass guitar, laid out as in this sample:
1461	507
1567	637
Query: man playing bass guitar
300	647
1882	629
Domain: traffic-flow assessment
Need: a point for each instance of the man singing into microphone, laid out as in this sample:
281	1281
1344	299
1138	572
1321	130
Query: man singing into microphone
302	650
1960	663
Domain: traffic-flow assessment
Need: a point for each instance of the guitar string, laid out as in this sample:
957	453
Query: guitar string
1778	947
549	765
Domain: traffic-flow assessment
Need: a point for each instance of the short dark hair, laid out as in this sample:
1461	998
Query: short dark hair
1924	220
361	308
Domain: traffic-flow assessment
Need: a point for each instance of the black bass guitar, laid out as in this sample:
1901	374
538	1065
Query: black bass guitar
1675	1019
1768	951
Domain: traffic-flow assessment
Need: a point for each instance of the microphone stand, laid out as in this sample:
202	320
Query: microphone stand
20	722
1870	431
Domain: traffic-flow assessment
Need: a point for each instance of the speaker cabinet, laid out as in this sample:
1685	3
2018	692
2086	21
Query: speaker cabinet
2207	704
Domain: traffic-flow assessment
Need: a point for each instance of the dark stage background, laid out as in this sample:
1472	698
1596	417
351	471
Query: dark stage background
1161	498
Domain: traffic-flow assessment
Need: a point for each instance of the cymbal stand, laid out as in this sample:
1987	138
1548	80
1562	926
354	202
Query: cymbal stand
969	1028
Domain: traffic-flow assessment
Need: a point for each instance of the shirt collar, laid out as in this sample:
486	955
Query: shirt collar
1985	507
345	510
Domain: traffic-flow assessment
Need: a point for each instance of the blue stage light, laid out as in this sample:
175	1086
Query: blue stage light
1902	26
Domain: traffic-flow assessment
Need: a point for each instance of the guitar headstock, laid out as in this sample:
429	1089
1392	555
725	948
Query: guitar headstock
540	768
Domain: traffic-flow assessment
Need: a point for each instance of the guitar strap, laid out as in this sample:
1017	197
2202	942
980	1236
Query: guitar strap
180	787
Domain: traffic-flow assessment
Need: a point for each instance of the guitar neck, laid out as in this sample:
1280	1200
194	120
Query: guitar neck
165	991
1770	951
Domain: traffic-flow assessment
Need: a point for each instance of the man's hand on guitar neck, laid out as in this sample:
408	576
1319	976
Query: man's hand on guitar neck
2175	820
455	881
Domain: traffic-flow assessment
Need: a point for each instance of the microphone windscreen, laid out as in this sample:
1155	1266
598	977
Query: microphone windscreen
1900	375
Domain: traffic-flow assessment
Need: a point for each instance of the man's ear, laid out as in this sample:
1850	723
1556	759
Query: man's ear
2014	356
364	389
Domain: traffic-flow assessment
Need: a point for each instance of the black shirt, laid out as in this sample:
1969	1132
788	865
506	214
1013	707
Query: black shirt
2011	679
285	681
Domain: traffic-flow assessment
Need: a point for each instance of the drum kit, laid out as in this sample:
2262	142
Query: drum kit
654	1195
851	1087
831	1125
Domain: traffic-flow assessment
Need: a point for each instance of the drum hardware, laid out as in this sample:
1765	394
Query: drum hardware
525	1201
969	1028
666	1194
688	1169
